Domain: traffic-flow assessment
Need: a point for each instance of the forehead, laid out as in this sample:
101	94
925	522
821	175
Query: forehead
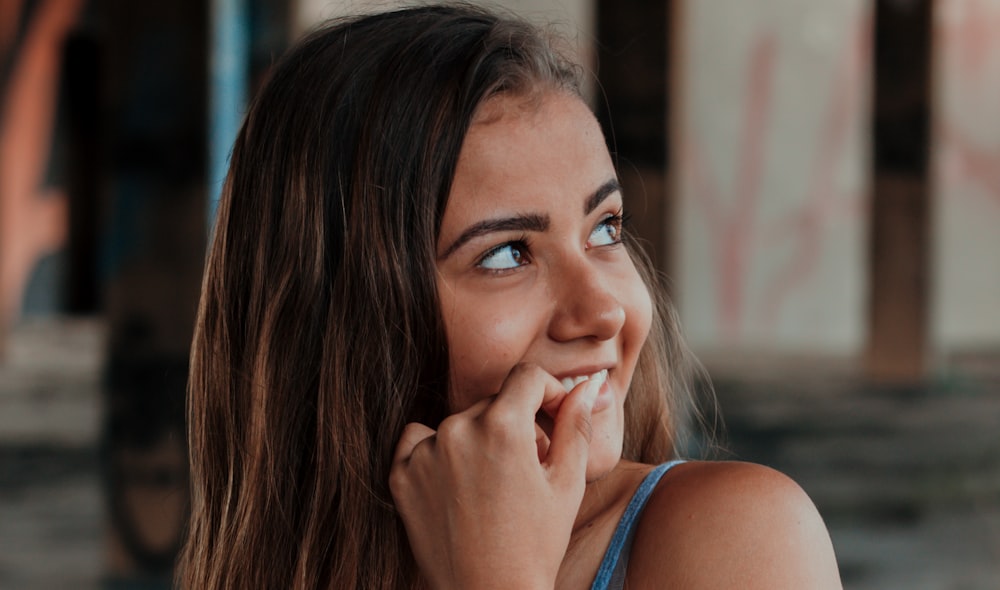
523	154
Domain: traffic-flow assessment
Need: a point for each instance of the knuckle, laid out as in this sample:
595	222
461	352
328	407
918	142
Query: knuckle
452	429
501	423
409	432
398	482
498	419
527	370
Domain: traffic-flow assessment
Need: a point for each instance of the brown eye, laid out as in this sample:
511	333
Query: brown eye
504	257
607	232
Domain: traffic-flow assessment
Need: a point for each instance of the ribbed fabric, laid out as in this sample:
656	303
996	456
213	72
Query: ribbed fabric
611	574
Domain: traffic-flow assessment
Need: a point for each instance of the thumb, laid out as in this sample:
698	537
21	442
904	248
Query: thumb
570	445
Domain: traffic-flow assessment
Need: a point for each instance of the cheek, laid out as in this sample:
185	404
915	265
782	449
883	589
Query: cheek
642	312
638	310
485	341
635	332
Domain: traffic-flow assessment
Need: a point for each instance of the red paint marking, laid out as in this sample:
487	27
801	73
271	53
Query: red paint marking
976	164
32	224
734	226
969	44
972	36
807	224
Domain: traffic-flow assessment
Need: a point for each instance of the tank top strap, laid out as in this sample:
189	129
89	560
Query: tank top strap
611	574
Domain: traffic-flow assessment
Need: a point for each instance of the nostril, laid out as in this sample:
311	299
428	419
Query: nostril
588	313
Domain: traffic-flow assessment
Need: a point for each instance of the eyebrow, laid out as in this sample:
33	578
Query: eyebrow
529	221
606	190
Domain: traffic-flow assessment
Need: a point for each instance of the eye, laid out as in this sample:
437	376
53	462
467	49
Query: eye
607	232
505	257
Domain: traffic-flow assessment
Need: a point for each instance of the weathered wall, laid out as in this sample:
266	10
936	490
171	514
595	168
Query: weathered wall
966	198
770	160
573	17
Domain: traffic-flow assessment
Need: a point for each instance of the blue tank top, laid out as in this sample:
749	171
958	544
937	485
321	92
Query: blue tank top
611	574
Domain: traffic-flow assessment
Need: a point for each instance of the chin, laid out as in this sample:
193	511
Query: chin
606	443
605	453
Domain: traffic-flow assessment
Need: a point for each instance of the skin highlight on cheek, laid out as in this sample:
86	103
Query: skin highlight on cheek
482	352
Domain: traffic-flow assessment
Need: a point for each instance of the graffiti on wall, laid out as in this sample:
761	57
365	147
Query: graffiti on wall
966	273
33	216
968	33
765	250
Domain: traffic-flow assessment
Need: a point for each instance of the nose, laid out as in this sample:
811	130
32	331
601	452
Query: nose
586	305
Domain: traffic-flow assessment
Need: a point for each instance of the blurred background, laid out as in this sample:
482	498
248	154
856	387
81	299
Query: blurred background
819	180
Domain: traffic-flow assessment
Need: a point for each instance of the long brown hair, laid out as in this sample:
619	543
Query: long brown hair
319	334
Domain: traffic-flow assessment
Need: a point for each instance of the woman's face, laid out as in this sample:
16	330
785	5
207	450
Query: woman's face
530	263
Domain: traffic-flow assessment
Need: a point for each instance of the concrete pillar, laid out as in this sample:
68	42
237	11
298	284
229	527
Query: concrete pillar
898	309
965	226
633	39
770	148
574	18
156	56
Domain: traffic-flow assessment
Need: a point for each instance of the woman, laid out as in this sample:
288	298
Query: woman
426	354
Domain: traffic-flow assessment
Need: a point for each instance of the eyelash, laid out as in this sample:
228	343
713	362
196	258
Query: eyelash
618	220
522	243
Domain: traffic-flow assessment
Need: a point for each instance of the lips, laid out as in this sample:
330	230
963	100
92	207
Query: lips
545	420
569	383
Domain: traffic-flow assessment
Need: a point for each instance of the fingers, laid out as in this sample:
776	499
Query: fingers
413	434
508	419
541	443
570	445
527	389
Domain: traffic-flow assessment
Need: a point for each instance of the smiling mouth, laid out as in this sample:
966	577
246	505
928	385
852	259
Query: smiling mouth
569	383
546	421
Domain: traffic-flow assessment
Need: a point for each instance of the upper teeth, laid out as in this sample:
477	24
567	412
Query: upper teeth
569	383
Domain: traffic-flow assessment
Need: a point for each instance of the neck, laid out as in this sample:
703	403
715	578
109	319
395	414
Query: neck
609	493
603	505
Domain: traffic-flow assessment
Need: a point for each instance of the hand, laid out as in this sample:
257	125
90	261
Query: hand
489	500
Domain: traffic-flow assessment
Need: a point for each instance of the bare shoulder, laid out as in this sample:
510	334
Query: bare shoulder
731	525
